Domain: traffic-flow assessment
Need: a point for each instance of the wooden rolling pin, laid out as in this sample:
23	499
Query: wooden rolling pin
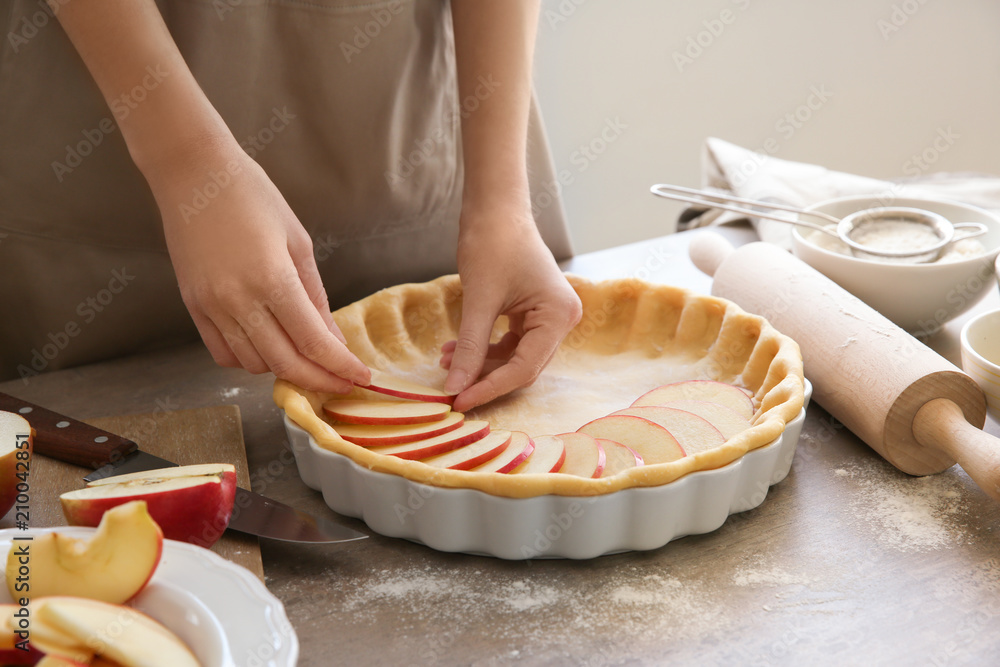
909	404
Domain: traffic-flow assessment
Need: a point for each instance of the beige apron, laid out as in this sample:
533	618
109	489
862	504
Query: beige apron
351	107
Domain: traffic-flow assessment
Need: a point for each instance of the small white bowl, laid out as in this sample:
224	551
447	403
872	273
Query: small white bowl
981	356
918	297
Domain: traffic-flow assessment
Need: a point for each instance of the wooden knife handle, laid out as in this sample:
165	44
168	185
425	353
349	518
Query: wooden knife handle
66	439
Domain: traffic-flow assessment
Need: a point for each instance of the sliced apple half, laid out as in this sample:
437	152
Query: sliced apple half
113	565
467	433
479	452
136	639
370	435
700	390
16	436
15	649
693	433
618	458
728	421
548	456
651	441
189	503
585	456
362	411
389	385
518	449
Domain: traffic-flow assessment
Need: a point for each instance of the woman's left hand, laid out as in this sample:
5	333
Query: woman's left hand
505	269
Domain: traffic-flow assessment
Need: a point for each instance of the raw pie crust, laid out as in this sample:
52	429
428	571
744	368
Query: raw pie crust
633	337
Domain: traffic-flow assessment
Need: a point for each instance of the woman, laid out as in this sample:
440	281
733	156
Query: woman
288	154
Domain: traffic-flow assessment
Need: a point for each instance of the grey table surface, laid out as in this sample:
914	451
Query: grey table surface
846	562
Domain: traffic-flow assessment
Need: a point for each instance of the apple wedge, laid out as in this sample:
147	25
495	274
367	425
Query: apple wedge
361	411
15	451
585	456
189	503
700	390
479	452
618	458
15	649
724	418
136	639
651	441
693	433
384	383
467	433
517	450
370	435
112	566
548	456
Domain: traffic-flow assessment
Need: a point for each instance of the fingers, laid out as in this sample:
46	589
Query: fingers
473	341
533	352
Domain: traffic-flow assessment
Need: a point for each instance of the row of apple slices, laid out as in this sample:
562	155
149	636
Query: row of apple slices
662	425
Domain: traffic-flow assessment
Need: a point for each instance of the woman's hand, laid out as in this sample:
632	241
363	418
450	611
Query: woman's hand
246	270
505	269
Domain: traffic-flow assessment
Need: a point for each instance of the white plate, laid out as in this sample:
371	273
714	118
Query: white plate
550	526
219	609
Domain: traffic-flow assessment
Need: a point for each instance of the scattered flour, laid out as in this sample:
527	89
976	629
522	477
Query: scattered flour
232	392
907	513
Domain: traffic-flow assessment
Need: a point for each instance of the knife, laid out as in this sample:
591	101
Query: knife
67	439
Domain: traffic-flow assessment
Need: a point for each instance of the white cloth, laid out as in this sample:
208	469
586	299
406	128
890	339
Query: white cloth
731	169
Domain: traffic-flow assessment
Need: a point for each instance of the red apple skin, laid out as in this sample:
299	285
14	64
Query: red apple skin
362	435
172	510
420	449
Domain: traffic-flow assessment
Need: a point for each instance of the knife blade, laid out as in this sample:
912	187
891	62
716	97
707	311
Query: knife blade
66	439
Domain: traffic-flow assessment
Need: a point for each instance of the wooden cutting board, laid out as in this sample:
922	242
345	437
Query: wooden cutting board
202	435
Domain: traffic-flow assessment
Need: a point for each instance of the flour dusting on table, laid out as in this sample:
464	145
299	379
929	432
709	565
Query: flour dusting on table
907	513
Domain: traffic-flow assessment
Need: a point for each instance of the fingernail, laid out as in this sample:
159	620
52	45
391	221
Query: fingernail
456	382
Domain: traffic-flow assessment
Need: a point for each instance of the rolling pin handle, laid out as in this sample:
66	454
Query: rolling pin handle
940	424
708	250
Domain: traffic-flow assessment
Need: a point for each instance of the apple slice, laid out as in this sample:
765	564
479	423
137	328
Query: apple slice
371	435
15	436
55	661
479	452
700	390
467	433
618	458
113	565
385	412
384	383
584	455
693	433
136	639
15	648
724	418
651	441
518	449
189	503
548	456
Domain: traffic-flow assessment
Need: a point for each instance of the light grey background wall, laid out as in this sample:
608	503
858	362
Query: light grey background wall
630	89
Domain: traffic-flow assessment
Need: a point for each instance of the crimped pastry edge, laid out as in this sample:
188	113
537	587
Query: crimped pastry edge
738	346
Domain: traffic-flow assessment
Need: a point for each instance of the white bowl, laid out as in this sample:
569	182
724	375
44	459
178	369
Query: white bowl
548	526
981	356
918	297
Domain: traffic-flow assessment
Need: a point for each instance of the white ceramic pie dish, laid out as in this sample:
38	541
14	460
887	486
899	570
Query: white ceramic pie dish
546	526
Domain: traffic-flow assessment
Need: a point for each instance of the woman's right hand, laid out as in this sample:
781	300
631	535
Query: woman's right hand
246	269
